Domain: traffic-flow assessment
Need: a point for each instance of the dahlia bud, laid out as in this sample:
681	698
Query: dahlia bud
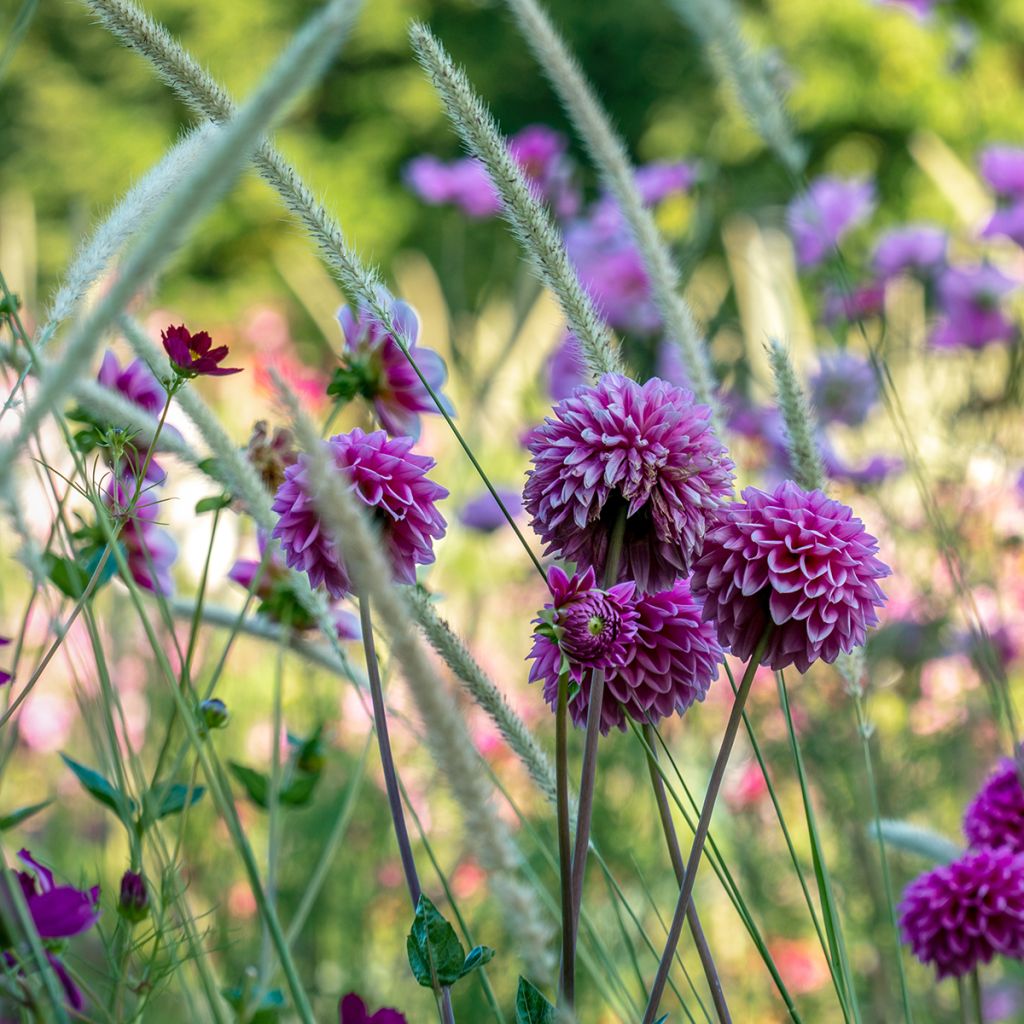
214	713
133	905
271	455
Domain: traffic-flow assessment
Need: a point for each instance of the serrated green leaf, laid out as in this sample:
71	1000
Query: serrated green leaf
476	957
255	784
15	818
100	788
433	939
171	799
531	1006
213	503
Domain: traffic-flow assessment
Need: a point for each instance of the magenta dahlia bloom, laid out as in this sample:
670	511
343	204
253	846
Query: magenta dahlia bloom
995	817
821	217
191	354
960	915
646	450
795	559
391	481
375	367
911	249
668	664
352	1010
149	550
971	300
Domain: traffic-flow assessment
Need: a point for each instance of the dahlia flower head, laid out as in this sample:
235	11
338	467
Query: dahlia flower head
375	366
646	451
668	657
390	480
150	551
821	217
962	914
918	249
995	817
844	388
971	301
796	560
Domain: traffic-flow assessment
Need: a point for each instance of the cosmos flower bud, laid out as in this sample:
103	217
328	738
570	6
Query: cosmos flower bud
214	713
133	904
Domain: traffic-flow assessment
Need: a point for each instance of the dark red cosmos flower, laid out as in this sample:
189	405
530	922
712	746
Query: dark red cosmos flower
352	1010
191	355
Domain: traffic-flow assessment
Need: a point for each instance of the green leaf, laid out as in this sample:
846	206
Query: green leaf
531	1006
255	784
66	575
15	818
211	467
299	791
171	799
661	1020
922	841
267	1011
212	504
101	789
433	940
476	957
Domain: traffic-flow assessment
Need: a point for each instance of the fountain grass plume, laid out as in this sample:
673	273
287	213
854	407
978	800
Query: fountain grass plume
608	151
717	25
530	220
220	162
798	419
445	732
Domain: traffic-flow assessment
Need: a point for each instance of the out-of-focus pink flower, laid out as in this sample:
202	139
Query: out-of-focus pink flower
846	306
821	217
542	153
46	720
970	299
801	964
747	789
463	183
658	180
149	550
309	383
911	249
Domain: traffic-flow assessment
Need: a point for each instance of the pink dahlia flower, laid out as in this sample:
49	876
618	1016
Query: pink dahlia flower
668	664
995	817
822	216
391	481
375	367
648	451
960	915
794	559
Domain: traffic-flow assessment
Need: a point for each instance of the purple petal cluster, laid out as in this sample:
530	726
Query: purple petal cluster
1003	168
381	371
971	303
821	217
668	664
149	550
844	388
960	915
918	249
794	559
390	480
645	451
192	355
995	817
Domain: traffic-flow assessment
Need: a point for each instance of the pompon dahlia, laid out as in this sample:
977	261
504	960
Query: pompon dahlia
960	915
669	663
995	817
391	480
648	450
794	558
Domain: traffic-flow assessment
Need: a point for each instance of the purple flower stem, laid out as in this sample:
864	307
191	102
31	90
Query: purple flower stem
588	772
387	763
675	854
701	834
567	990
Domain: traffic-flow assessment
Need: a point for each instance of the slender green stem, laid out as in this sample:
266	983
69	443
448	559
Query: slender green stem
979	1007
701	834
965	1017
567	991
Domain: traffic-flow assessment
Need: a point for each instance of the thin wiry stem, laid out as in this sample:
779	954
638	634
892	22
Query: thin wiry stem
608	151
531	222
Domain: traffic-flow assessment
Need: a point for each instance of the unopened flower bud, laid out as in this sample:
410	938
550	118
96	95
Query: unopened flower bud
214	713
133	905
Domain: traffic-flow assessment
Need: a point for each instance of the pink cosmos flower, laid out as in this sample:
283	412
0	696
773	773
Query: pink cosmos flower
191	354
970	299
794	559
375	367
391	481
669	664
646	451
960	915
995	817
821	217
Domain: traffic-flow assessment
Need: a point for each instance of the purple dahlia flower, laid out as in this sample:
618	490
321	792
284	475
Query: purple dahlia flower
995	817
352	1010
149	550
971	300
375	367
844	389
795	559
668	664
391	481
822	216
960	915
646	451
911	249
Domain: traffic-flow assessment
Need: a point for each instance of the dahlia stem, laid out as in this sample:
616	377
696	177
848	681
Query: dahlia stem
567	990
965	1017
976	995
703	824
588	773
387	763
675	854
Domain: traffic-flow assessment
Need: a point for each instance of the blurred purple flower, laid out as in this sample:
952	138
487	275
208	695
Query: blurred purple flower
658	180
922	8
843	389
191	354
798	561
648	452
566	368
1007	220
542	153
1002	1003
821	217
149	550
375	367
352	1010
483	513
875	471
463	183
913	248
970	300
841	306
391	481
960	915
1003	168
5	677
995	817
